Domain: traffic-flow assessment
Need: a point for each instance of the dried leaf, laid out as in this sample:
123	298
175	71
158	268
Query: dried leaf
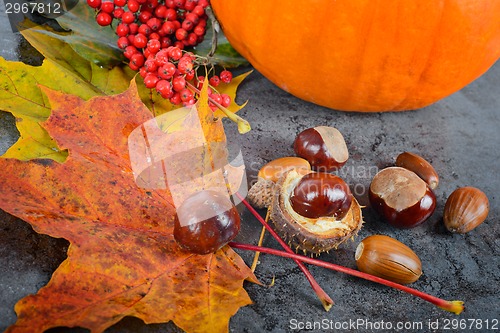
92	42
123	260
65	70
20	94
105	81
230	89
157	104
162	148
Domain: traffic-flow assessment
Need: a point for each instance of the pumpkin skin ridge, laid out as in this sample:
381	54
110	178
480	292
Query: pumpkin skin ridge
458	86
428	68
407	99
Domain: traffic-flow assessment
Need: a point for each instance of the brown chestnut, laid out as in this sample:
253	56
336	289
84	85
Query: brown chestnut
206	221
324	147
465	209
401	197
389	259
313	235
420	166
320	194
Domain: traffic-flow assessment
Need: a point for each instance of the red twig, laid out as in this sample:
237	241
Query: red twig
322	295
452	306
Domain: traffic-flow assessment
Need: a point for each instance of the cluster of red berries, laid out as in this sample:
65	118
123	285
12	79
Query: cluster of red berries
172	72
153	35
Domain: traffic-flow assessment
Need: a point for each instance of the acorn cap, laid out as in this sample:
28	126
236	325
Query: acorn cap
309	234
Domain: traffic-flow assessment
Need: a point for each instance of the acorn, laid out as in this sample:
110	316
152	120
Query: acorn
315	212
465	209
389	259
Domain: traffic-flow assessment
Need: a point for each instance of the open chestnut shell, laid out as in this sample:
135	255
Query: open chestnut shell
313	235
260	194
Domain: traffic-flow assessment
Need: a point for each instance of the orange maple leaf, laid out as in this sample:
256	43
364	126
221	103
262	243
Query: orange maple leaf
123	259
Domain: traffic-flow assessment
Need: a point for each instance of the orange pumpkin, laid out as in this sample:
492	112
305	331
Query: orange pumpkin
365	55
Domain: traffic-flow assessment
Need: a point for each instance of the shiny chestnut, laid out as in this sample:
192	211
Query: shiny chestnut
324	147
320	194
206	221
401	197
314	235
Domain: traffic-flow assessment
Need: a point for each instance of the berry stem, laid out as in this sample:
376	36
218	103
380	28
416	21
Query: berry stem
452	306
243	125
326	301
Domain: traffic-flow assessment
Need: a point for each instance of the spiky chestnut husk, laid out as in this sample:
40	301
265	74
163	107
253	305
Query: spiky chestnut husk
261	193
306	234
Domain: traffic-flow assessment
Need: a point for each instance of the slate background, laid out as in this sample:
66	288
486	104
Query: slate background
459	135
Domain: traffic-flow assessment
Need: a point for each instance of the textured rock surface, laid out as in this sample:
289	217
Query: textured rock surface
458	135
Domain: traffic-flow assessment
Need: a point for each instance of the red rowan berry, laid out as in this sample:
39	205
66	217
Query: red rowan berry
104	19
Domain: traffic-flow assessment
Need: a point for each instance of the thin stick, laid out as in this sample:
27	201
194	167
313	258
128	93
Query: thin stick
261	239
452	306
322	295
243	125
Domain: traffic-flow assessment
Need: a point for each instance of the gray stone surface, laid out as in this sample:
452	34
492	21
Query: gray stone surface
8	40
458	135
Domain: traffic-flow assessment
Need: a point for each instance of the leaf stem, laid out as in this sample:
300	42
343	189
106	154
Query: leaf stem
243	125
261	239
326	301
452	306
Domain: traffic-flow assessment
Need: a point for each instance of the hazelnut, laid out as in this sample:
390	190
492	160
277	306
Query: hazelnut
420	166
465	209
324	147
260	194
401	197
389	259
313	234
